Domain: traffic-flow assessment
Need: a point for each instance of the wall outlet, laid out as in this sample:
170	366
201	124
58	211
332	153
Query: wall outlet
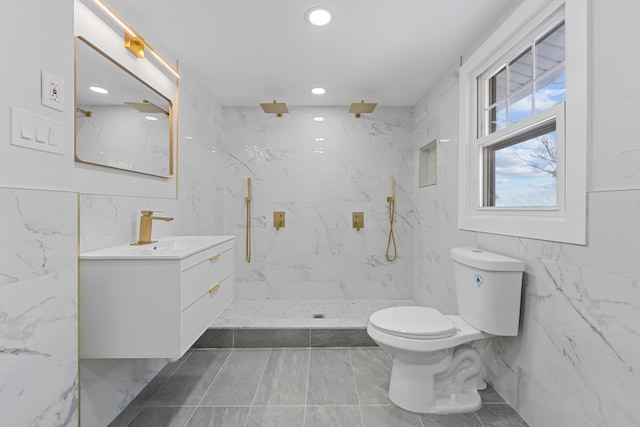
52	91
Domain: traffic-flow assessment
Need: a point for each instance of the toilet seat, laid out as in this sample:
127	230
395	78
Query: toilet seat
420	323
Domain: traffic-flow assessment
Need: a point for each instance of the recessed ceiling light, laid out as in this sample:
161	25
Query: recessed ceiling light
98	89
318	16
319	139
151	118
188	137
318	119
318	91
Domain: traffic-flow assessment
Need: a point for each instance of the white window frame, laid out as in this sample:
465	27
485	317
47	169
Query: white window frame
567	221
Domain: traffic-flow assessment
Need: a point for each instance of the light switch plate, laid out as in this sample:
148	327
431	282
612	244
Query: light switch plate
36	132
52	91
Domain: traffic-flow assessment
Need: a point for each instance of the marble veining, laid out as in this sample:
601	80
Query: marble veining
318	173
38	308
579	337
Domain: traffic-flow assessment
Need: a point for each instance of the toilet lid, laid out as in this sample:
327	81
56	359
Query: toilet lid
413	322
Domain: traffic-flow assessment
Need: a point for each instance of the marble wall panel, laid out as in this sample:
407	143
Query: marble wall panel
38	308
318	184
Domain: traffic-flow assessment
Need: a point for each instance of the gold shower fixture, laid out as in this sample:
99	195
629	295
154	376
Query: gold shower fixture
358	108
85	113
277	108
146	107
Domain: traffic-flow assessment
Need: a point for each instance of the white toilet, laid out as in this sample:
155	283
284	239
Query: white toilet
434	368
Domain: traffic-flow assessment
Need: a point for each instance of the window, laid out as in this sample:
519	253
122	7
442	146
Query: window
523	126
521	169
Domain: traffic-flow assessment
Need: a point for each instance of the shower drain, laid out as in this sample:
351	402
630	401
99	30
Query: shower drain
318	316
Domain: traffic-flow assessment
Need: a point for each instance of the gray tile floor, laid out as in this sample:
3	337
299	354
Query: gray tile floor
280	387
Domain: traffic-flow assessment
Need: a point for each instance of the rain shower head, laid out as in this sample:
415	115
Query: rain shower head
358	108
146	107
277	108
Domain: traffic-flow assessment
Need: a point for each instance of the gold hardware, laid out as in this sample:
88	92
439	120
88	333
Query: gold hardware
147	107
146	220
247	255
393	190
85	113
214	289
214	257
358	220
135	44
133	41
362	107
278	219
392	211
276	107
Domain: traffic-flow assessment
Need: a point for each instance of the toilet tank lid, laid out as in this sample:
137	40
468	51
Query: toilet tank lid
484	260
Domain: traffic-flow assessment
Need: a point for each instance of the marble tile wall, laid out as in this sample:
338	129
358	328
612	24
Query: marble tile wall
38	308
577	357
318	184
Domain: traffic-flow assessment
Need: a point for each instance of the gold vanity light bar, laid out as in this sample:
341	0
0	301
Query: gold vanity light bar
133	41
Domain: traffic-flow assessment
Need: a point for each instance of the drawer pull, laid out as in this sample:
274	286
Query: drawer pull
214	257
214	289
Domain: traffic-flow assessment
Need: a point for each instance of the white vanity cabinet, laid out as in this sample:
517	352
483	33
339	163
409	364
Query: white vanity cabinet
154	300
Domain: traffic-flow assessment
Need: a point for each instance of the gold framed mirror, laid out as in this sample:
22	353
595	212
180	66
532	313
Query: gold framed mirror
121	122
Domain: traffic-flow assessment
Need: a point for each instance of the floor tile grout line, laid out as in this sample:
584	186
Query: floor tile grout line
144	404
264	368
193	411
214	378
355	383
190	353
306	391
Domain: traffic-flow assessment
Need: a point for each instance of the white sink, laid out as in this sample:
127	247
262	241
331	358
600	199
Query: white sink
170	247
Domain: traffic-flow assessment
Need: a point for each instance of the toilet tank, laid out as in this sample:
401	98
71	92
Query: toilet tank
488	289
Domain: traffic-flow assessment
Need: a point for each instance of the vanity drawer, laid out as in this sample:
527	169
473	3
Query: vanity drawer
216	266
197	318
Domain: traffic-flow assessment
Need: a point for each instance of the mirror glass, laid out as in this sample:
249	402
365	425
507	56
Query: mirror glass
121	122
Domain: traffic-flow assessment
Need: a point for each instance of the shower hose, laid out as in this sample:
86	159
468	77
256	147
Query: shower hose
247	256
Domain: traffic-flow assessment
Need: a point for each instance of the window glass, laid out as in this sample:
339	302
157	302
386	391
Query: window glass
520	71
520	105
498	86
523	171
550	50
550	89
498	117
526	92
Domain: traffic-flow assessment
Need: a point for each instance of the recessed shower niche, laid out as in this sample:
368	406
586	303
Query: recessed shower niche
428	160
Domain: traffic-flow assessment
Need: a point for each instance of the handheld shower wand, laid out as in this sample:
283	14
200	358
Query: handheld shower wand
247	199
391	200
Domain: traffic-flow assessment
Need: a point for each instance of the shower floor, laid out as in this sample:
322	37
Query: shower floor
289	313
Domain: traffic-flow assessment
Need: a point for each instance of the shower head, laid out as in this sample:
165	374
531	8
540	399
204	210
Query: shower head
146	107
277	108
362	107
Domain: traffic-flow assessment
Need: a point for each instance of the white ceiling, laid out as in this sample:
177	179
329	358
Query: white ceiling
252	51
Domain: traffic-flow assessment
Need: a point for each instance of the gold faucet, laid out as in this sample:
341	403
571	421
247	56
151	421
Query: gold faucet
146	220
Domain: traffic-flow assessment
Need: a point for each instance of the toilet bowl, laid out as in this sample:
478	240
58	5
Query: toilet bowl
422	377
435	369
